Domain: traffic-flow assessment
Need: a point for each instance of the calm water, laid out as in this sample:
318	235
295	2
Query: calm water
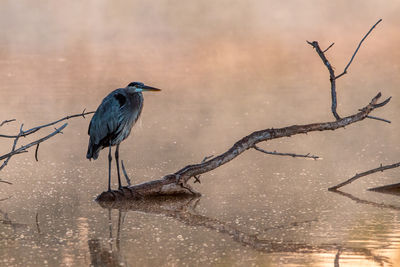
226	69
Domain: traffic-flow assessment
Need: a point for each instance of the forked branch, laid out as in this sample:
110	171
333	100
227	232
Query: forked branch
23	149
332	76
22	133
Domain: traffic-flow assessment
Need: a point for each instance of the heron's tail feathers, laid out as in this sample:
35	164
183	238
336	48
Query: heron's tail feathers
93	151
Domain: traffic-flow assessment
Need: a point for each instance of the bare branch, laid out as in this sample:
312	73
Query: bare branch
358	47
286	154
6	121
359	175
25	147
332	75
37	128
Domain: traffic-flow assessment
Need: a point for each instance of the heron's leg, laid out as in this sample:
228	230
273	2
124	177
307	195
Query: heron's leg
109	169
117	161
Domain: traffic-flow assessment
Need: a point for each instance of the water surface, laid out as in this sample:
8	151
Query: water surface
226	69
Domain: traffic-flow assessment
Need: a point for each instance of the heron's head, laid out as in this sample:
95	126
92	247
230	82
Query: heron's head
137	87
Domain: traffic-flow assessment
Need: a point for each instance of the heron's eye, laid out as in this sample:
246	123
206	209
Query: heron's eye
121	99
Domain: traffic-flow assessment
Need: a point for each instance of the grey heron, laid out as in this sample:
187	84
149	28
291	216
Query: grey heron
113	120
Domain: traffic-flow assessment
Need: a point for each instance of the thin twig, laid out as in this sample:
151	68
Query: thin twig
36	152
286	154
378	119
23	148
6	182
378	105
328	48
190	189
358	47
6	121
125	174
359	175
37	128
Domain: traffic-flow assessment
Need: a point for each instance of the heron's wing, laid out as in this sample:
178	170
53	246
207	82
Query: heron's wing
109	118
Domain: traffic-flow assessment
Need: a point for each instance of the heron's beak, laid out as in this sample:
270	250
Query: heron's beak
145	88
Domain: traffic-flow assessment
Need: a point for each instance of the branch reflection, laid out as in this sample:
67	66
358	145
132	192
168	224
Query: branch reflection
183	209
367	202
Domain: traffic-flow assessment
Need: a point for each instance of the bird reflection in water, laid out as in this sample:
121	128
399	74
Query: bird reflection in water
108	255
183	209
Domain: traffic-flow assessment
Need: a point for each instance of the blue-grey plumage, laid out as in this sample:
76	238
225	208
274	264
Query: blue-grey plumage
114	118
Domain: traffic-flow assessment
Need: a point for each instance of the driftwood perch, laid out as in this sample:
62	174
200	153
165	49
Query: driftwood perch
177	183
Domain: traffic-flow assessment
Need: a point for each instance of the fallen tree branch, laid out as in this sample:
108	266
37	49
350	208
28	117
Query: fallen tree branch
286	154
177	183
359	175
